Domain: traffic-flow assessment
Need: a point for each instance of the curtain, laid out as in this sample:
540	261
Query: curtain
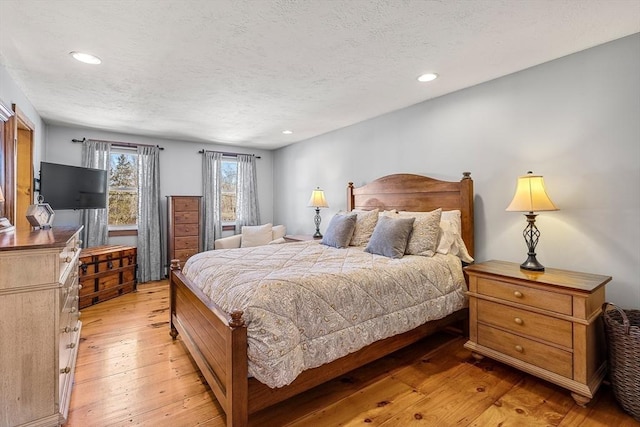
247	211
150	265
96	154
211	184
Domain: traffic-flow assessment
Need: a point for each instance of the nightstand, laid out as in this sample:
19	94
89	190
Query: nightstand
300	238
546	323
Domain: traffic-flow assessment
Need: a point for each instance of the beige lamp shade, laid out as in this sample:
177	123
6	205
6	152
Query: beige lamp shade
1	195
317	199
531	195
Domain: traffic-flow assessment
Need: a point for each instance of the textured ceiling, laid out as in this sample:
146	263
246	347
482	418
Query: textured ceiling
240	72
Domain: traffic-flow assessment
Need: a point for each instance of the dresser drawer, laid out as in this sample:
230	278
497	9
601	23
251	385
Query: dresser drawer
189	242
547	300
186	204
187	230
190	217
523	322
544	356
184	254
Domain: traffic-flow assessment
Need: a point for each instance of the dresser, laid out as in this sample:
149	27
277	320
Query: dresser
547	323
39	324
184	234
106	272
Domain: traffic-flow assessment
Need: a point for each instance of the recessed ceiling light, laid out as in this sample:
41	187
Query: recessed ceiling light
427	77
287	132
86	58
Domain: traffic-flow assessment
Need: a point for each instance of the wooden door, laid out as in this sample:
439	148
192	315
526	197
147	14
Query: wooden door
24	172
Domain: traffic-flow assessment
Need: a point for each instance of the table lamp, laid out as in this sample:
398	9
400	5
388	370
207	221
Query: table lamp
531	196
317	201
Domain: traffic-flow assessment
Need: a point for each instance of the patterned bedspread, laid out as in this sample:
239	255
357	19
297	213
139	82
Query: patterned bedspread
307	304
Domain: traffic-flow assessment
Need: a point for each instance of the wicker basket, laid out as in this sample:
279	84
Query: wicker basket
622	329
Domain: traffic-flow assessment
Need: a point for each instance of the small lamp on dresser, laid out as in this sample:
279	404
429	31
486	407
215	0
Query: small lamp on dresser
317	201
5	225
531	196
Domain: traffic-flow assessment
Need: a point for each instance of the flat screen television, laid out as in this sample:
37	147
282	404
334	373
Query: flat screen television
73	187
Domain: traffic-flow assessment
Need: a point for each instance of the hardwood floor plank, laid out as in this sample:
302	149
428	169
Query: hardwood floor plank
377	402
130	372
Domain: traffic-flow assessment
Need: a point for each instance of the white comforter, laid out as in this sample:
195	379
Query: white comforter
307	304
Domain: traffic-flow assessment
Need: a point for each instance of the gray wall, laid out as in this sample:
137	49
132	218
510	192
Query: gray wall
180	167
575	120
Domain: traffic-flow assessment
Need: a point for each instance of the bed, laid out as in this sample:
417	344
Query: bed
217	339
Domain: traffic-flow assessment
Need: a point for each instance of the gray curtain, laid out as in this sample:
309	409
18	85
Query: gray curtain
150	264
211	184
247	211
96	154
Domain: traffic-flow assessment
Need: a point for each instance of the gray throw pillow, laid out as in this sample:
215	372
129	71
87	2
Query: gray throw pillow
390	237
339	231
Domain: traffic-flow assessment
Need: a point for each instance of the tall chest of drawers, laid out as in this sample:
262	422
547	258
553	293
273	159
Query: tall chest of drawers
39	324
548	324
184	219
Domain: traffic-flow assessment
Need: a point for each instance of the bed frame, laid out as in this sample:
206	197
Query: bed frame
217	340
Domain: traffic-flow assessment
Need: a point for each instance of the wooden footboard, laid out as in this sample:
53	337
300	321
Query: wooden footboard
217	341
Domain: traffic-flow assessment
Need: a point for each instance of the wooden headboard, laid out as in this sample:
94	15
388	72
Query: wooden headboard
416	193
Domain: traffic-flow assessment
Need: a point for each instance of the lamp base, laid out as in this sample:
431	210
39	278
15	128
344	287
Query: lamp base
532	264
317	235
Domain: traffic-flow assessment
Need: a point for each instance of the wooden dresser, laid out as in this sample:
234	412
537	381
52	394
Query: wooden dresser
39	324
106	272
548	323
184	220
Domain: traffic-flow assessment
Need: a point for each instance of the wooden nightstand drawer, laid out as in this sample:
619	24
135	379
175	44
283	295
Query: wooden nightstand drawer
186	217
187	230
553	301
524	322
544	356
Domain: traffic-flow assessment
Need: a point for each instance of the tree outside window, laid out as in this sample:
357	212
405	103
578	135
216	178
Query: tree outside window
123	190
229	174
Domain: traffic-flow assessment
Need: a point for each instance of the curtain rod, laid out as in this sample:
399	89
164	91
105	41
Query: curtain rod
118	143
226	153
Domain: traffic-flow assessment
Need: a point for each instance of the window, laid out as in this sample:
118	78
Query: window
123	190
228	190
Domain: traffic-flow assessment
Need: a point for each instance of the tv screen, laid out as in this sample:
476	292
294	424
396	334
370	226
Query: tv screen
73	187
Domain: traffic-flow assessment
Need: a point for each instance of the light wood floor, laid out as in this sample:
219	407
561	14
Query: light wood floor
130	372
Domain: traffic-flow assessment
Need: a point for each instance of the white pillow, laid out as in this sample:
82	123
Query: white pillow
278	231
256	235
450	240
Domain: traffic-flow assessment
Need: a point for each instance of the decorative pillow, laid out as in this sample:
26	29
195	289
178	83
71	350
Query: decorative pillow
426	229
450	240
256	235
365	223
278	231
390	237
340	230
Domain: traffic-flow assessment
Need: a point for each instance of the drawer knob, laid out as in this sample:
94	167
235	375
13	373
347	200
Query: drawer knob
519	349
517	294
65	370
72	345
518	320
66	329
79	286
67	259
